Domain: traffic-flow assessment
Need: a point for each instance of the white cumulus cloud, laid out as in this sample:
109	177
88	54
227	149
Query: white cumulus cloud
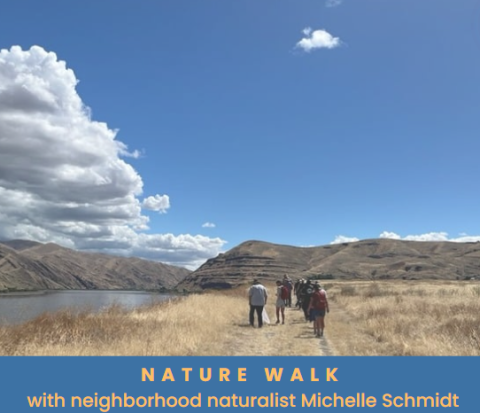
158	203
317	39
390	235
63	175
340	239
208	225
430	236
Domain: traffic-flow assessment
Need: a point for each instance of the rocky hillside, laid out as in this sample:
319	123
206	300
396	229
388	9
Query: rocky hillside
367	259
27	265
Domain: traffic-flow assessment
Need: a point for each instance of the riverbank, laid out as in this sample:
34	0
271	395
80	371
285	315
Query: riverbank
17	309
5	293
366	318
209	324
8	293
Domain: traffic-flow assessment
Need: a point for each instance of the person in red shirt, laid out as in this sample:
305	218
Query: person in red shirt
317	307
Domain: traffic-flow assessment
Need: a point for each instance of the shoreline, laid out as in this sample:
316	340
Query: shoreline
364	321
45	292
21	307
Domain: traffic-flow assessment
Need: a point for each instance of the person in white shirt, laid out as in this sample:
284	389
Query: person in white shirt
257	298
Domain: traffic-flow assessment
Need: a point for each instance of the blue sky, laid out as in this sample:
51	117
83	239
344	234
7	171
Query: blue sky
300	123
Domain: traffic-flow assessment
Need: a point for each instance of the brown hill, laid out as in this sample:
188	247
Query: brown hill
367	259
36	266
20	244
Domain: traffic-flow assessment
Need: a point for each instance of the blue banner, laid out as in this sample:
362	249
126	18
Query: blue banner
110	384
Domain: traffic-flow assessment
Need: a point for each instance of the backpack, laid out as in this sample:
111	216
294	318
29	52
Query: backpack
284	293
320	300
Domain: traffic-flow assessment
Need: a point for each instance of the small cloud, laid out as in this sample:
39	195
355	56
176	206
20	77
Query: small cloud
158	203
389	235
123	151
318	39
307	31
208	225
333	3
466	238
430	236
340	239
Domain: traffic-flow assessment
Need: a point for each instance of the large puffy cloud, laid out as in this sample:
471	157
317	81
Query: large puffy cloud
430	236
63	177
317	39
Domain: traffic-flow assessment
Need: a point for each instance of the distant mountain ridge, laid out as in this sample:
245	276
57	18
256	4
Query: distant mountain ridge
366	259
29	265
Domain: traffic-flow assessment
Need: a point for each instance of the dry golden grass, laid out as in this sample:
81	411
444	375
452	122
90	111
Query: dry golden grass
366	318
435	318
207	325
187	326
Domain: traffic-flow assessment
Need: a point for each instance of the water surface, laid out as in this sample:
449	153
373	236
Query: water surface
17	308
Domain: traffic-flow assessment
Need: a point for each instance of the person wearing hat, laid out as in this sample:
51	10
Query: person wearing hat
257	298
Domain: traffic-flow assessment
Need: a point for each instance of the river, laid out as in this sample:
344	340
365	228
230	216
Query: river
18	308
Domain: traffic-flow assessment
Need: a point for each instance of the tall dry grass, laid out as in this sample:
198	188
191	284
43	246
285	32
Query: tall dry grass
193	325
436	318
214	324
366	318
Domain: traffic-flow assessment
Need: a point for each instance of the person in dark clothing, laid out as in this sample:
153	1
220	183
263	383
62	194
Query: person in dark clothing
298	289
305	294
287	282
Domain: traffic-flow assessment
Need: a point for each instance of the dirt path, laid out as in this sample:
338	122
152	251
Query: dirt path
294	338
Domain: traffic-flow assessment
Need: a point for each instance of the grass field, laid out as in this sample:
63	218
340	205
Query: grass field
186	326
435	318
366	318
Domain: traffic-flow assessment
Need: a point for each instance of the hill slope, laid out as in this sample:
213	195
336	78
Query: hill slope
367	259
26	265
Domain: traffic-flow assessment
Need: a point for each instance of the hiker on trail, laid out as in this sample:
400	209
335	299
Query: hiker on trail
282	295
298	289
295	290
287	282
305	295
257	298
317	307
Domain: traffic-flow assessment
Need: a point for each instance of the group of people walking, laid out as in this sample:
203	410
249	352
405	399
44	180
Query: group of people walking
311	298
